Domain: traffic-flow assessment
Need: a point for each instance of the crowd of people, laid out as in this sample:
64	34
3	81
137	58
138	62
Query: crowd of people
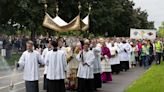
84	64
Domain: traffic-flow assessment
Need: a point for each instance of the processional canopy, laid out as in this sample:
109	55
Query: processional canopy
59	25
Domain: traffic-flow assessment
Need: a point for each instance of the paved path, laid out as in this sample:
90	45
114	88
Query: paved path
122	81
119	83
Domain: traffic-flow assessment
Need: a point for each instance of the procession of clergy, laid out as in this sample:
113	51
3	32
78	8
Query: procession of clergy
83	67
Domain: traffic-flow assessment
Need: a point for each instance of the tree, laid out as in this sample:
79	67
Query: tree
161	30
111	17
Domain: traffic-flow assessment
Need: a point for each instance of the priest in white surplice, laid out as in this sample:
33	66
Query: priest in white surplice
85	71
29	62
114	60
56	67
125	55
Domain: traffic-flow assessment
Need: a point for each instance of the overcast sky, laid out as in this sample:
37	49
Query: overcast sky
155	9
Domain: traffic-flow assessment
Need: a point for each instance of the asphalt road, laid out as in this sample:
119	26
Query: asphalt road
119	83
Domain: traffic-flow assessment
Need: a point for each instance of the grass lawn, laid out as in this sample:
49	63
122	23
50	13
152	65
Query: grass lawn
150	81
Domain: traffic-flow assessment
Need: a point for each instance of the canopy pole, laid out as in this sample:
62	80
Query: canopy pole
57	12
79	7
89	12
45	5
57	9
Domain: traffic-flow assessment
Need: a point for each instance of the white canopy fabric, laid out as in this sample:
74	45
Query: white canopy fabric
86	22
59	21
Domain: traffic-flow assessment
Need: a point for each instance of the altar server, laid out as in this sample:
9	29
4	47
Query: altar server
85	71
114	60
45	51
61	44
125	55
29	61
56	67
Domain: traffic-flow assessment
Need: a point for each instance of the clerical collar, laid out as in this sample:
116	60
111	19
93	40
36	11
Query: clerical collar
59	48
86	50
49	49
30	51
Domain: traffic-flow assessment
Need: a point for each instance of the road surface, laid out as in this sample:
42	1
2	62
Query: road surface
119	83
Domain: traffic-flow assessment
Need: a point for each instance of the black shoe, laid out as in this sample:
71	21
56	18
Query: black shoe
104	82
117	72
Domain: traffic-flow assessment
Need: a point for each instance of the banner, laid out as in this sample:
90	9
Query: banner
142	34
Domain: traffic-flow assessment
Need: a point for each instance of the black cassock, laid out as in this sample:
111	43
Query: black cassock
32	86
85	85
45	83
56	86
97	81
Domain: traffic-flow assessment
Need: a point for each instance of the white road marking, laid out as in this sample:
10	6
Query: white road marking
14	85
4	87
15	75
9	76
18	83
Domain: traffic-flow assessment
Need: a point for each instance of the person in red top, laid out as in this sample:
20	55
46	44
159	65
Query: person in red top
139	45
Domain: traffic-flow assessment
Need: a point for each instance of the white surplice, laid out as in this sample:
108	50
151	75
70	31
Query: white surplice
109	45
115	59
129	50
86	71
45	51
56	65
30	61
97	60
63	49
125	56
